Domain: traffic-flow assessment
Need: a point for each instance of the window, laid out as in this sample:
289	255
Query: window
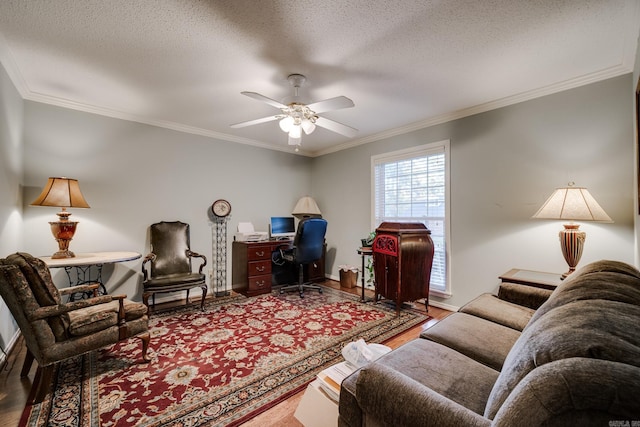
413	186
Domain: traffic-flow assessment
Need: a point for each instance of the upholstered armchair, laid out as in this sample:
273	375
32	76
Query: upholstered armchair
55	330
168	267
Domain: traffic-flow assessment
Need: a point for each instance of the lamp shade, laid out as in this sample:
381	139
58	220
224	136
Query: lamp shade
62	193
572	204
306	207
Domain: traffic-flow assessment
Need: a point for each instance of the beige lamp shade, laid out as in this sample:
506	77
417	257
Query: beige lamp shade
63	193
572	204
306	208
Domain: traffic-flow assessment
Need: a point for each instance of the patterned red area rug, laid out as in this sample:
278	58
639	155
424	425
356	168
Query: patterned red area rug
219	367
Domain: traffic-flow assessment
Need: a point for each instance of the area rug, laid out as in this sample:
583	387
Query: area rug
219	367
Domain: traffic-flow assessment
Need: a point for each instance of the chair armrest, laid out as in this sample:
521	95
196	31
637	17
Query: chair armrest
121	312
57	310
526	296
147	258
392	398
197	255
80	288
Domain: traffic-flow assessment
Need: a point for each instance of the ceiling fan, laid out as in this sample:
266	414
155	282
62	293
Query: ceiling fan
296	117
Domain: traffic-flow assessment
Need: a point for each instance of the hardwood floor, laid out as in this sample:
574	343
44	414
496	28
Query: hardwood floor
14	390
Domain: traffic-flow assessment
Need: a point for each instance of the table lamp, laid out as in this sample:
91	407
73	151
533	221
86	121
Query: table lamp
573	204
306	208
63	193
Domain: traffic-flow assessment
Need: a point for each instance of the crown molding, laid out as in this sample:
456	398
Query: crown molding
607	73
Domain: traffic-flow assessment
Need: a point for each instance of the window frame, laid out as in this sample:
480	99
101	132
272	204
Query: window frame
409	153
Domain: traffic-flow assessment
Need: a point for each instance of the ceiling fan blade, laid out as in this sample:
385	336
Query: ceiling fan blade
331	104
254	122
336	127
263	98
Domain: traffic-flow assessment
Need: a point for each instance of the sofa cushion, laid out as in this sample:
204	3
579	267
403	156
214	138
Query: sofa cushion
574	391
490	307
431	365
45	292
390	398
480	339
597	329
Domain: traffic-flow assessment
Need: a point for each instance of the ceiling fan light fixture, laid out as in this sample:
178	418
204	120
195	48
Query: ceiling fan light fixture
295	132
308	126
286	123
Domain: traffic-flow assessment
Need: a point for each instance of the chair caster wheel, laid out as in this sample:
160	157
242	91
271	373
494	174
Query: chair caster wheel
301	295
320	290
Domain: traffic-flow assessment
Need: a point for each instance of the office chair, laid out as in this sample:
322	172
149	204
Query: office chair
307	248
170	262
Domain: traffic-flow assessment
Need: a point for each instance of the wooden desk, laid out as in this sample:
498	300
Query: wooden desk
82	264
253	271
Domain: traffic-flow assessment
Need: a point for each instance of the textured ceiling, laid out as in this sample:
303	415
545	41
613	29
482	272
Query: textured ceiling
406	64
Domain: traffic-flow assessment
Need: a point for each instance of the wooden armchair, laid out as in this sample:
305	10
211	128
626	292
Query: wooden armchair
54	330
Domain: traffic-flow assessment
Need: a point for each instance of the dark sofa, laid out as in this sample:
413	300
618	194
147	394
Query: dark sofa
574	360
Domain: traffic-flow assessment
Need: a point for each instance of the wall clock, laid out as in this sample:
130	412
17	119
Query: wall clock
221	208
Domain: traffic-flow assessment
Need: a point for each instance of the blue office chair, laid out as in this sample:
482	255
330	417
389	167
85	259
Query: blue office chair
307	248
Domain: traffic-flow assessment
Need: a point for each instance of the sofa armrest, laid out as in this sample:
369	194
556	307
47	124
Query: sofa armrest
392	398
526	296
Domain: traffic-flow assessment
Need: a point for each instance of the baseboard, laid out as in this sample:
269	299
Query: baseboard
9	349
444	306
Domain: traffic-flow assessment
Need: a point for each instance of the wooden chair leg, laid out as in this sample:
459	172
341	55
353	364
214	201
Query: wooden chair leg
146	338
42	383
204	295
26	366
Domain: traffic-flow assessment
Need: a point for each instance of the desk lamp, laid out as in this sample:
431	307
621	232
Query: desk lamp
306	208
572	203
63	193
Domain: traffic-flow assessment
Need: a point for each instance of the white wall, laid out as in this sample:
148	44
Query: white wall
11	126
504	164
133	175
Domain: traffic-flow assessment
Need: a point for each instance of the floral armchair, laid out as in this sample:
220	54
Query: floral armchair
54	330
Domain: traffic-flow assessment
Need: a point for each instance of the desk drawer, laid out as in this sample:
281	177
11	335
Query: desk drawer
258	252
260	283
258	268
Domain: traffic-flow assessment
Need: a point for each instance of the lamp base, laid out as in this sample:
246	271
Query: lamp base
63	232
63	254
572	244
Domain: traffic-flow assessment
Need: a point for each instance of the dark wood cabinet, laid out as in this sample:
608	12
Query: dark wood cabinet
402	260
254	273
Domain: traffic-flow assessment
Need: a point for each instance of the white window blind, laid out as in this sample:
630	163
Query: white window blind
413	186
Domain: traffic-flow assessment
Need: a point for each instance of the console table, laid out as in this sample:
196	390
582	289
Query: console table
536	279
364	252
254	273
82	264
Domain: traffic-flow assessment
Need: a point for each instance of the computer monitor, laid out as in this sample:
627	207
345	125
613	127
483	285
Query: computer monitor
282	227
